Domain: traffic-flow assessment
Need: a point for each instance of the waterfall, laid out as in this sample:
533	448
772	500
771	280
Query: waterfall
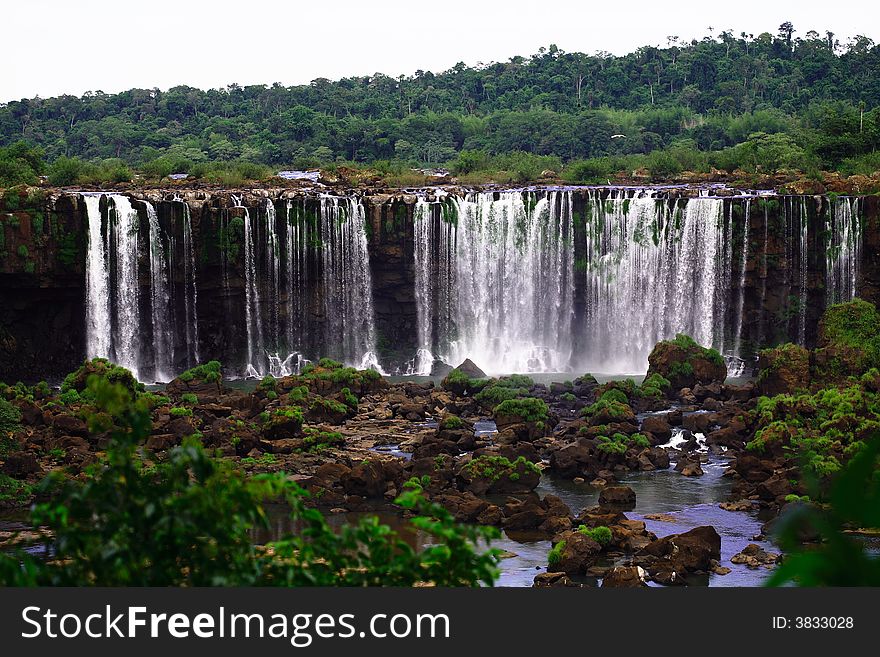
347	282
843	249
652	270
296	271
190	290
97	284
738	364
162	323
423	247
256	352
112	303
509	286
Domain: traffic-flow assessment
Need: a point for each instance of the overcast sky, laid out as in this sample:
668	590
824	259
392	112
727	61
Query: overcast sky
51	47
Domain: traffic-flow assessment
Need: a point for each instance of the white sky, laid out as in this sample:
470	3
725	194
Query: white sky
51	47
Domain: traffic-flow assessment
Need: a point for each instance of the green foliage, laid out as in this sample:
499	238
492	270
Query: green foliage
189	398
22	251
840	559
601	534
181	411
349	398
619	443
654	386
528	409
298	394
316	439
555	554
13	492
856	325
494	468
10	418
186	520
824	429
612	402
77	381
451	422
20	164
208	373
507	387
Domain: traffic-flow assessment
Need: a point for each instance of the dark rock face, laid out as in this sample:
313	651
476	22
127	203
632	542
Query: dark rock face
42	317
783	370
618	496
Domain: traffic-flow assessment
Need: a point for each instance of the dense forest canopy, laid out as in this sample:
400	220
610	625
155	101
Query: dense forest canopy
809	93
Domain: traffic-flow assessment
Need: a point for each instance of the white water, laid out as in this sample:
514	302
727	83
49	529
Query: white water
347	282
652	272
161	318
255	346
843	250
190	291
97	284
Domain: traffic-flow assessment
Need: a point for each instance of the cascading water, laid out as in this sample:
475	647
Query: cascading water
98	327
256	351
504	279
162	323
113	314
652	270
190	290
843	250
347	282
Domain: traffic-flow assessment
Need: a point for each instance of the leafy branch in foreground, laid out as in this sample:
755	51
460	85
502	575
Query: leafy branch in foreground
840	559
187	521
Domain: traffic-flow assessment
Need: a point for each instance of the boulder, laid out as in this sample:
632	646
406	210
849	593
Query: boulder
579	552
658	426
783	370
685	363
617	496
690	552
20	464
625	577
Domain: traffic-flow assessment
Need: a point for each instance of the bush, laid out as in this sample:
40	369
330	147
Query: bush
66	171
601	534
10	418
555	554
209	373
187	521
528	409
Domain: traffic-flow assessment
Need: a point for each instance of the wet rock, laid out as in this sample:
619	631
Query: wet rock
690	552
685	363
618	496
579	552
625	577
755	556
658	426
689	468
70	424
698	422
546	580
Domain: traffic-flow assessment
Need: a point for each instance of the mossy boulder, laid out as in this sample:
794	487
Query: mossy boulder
849	341
466	379
101	367
205	381
497	474
684	363
783	370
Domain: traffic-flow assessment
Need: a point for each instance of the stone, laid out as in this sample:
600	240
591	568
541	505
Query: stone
625	576
20	464
783	370
657	426
692	551
622	496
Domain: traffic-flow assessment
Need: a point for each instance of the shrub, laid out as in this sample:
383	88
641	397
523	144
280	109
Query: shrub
601	534
528	409
494	467
180	411
10	417
189	398
208	372
451	422
555	554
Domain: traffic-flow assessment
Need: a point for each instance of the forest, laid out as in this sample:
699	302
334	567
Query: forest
764	102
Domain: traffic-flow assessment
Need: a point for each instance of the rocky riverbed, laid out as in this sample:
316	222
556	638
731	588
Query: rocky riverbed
619	483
